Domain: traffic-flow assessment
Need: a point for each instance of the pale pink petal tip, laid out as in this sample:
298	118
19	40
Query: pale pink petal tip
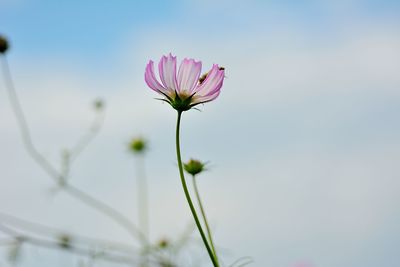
167	69
188	75
212	84
150	78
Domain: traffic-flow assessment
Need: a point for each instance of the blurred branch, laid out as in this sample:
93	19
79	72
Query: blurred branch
142	204
24	129
57	176
166	252
51	244
40	229
93	131
243	261
70	155
106	210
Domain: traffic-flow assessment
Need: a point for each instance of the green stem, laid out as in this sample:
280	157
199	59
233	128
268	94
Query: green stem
189	200
196	190
143	210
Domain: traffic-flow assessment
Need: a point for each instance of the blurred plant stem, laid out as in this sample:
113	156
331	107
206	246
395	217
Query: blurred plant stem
243	261
196	190
43	230
59	177
142	201
20	238
187	195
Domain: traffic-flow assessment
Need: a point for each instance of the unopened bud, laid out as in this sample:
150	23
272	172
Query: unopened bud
138	145
163	243
98	104
3	45
193	166
64	241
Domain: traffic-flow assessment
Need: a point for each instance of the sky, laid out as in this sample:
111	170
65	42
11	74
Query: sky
303	142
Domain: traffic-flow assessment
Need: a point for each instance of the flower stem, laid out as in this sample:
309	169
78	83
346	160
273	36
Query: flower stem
143	210
189	200
196	190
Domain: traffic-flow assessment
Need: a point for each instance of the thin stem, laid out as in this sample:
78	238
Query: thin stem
196	190
50	244
143	207
42	230
189	200
84	141
242	261
106	210
23	125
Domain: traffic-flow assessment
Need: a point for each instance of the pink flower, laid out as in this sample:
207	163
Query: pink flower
184	89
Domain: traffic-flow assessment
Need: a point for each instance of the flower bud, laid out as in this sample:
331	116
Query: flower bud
64	241
163	243
138	145
3	45
98	104
193	166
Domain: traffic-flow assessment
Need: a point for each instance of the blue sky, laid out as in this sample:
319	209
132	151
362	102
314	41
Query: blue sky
306	123
91	30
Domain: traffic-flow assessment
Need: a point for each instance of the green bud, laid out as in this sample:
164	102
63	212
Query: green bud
193	166
138	145
98	104
64	241
163	243
3	45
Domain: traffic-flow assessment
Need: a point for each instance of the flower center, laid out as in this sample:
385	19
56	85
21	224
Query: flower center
181	101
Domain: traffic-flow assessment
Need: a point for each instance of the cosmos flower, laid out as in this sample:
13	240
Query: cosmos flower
185	88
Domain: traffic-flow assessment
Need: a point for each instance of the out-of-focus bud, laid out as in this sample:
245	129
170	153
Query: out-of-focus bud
138	145
3	45
193	166
64	241
163	243
98	104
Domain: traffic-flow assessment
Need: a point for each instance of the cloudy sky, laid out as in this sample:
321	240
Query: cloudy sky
303	142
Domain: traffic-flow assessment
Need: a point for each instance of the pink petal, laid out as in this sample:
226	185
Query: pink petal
188	75
167	69
210	96
151	80
212	83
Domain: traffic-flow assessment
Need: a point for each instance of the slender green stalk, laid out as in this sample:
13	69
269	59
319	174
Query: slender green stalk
196	190
189	200
143	210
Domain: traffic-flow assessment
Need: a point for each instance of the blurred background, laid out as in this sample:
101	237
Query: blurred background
303	142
